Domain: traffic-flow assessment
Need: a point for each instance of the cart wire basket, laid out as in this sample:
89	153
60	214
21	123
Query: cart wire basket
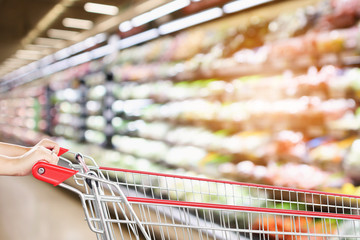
128	204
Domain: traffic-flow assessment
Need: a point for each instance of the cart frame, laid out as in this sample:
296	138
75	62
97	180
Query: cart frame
120	189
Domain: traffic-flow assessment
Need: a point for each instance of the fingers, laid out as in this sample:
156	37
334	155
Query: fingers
49	144
49	155
42	153
35	154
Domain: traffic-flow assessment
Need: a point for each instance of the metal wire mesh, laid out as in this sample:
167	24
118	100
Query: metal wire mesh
190	189
178	207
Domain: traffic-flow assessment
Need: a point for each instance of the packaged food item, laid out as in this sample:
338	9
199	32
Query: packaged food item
290	146
330	153
296	176
352	163
185	156
93	136
338	14
273	223
97	93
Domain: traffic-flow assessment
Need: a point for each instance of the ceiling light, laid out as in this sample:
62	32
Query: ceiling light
63	53
48	69
26	57
101	8
83	45
139	38
125	26
24	69
79	59
49	42
242	5
101	51
37	47
78	47
190	20
46	60
34	65
87	43
61	34
77	23
159	12
40	50
59	66
28	54
101	37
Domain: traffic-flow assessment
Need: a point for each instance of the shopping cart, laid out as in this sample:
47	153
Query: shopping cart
127	204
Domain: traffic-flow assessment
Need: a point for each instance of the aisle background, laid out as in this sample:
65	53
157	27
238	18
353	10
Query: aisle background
267	94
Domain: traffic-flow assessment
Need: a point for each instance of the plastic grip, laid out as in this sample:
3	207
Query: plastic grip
62	151
51	173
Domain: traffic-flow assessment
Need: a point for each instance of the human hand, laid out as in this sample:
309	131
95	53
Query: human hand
49	144
35	154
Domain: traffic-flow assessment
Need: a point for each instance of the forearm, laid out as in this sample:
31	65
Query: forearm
18	160
12	150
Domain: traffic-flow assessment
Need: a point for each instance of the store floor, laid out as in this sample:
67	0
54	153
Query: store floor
33	210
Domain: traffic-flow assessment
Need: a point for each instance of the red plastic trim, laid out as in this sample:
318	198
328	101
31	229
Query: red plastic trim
52	173
230	182
62	151
241	208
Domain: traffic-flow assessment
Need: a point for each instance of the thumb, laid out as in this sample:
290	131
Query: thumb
49	144
54	158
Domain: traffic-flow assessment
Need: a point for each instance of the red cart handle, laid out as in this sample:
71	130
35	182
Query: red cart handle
62	151
51	173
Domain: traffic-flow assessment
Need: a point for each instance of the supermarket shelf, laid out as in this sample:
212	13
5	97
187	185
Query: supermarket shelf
153	63
237	126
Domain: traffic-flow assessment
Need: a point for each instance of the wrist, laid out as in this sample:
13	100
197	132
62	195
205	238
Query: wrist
11	166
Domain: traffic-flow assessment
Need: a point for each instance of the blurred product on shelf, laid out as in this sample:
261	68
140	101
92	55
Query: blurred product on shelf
293	224
352	162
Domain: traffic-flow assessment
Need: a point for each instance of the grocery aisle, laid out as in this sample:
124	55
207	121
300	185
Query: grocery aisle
33	210
265	92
